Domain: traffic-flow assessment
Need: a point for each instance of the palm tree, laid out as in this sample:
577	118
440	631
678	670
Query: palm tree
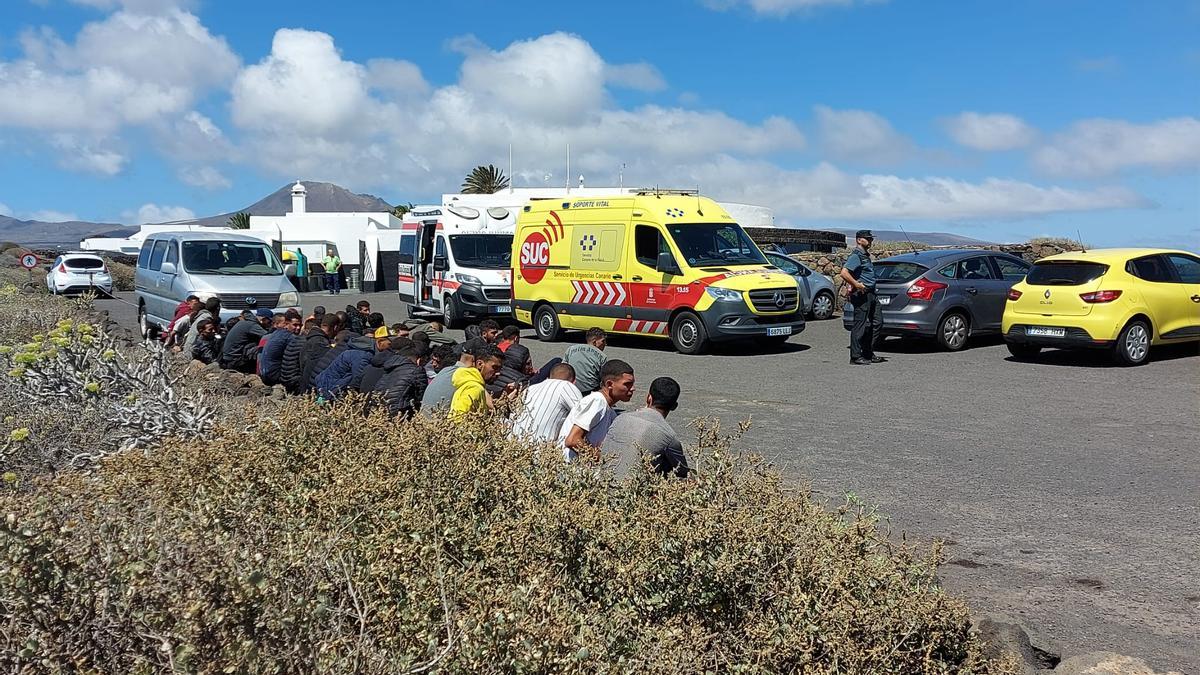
400	209
239	221
484	180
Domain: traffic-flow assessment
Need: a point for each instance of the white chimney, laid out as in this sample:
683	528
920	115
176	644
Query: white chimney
298	197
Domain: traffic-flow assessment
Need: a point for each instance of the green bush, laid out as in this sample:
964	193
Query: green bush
324	541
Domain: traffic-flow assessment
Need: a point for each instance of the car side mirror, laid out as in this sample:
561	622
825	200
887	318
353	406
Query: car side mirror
167	268
289	269
441	264
666	264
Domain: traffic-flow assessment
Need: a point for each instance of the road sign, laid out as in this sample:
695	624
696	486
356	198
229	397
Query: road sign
29	261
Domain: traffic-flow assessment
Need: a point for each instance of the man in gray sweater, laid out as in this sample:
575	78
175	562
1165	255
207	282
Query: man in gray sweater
645	433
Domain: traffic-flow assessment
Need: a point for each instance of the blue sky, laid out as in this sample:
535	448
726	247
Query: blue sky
996	120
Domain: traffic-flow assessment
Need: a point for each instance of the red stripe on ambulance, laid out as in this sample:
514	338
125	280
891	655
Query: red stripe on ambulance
598	293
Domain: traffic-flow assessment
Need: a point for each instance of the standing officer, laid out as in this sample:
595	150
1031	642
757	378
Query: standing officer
859	275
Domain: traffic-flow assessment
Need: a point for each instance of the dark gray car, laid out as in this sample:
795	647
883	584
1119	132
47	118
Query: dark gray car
816	289
946	295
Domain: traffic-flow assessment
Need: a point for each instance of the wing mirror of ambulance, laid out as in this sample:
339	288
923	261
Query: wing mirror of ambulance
441	264
666	264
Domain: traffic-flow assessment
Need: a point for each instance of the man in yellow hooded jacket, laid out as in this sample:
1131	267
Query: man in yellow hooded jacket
470	393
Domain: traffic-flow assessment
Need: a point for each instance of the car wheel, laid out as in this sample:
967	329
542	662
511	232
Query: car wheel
688	334
1133	344
952	331
1022	352
451	313
545	324
148	329
822	306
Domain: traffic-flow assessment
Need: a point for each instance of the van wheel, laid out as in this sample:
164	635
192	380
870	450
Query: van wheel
688	334
952	331
149	330
545	324
451	313
1133	344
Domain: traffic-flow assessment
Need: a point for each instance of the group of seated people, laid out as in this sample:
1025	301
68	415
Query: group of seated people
415	367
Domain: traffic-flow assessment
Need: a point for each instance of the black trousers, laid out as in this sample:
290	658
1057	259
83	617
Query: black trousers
868	321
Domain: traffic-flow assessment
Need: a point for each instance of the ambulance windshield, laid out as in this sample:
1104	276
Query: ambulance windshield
482	251
704	244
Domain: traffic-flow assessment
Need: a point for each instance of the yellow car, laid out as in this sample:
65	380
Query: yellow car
1124	300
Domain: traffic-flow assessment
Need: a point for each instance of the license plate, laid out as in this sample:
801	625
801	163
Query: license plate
1045	332
501	309
885	299
781	330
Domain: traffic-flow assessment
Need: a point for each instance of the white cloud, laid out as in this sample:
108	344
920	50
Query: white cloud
826	192
206	177
1098	147
88	156
556	78
140	6
5	210
52	216
428	143
860	136
304	83
153	213
395	77
130	69
780	8
989	132
639	76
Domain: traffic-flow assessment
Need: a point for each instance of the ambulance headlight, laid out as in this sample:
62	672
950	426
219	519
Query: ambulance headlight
468	279
723	294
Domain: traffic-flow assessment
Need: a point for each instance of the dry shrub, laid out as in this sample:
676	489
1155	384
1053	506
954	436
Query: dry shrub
327	541
122	275
71	393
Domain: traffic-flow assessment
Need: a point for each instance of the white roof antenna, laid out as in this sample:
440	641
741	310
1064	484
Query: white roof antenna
580	180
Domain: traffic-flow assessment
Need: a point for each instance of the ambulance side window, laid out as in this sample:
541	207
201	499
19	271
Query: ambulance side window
408	249
648	242
439	248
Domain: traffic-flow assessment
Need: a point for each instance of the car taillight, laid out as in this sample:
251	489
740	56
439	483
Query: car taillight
924	288
1100	296
1014	294
62	267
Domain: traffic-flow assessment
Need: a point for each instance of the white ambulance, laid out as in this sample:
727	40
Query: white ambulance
455	258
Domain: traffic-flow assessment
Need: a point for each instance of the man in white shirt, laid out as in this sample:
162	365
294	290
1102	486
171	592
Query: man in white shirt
546	405
588	422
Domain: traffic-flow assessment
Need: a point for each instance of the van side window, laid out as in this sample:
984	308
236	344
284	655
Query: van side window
408	249
172	254
647	242
157	255
144	254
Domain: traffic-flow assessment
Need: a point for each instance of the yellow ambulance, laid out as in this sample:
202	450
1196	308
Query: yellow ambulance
669	264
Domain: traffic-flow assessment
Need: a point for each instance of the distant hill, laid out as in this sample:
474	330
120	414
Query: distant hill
322	197
927	238
41	233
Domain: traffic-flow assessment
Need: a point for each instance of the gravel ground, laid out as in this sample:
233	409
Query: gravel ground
1066	489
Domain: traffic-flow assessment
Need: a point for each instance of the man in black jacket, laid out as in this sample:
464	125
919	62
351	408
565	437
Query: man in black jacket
204	347
385	350
240	350
403	382
290	369
316	345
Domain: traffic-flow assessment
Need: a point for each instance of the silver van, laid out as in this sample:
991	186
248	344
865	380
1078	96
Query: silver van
243	271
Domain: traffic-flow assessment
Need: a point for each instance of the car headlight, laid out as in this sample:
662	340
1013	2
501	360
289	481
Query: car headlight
203	295
289	299
468	279
723	294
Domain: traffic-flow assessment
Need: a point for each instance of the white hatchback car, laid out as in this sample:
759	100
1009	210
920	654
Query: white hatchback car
75	273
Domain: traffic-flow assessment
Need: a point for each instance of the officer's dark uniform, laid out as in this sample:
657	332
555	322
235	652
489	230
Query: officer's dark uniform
868	315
